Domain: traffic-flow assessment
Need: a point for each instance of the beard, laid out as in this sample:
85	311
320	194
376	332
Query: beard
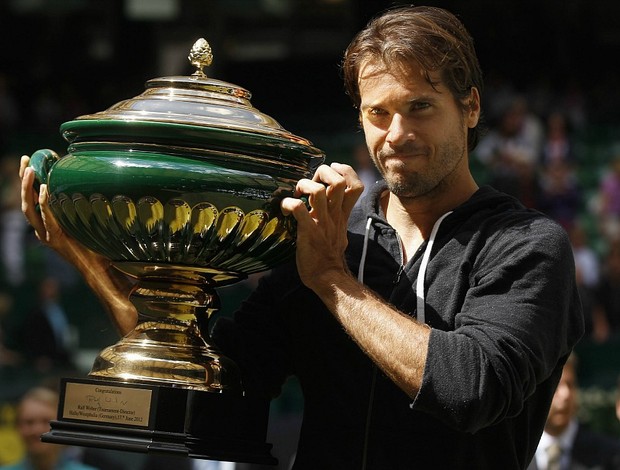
428	177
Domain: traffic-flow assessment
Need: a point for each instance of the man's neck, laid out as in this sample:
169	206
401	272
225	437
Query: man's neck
414	218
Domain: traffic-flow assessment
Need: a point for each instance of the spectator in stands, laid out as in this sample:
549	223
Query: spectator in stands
518	136
606	312
587	272
511	151
8	357
558	144
586	258
609	200
566	443
560	194
34	412
47	336
12	224
618	400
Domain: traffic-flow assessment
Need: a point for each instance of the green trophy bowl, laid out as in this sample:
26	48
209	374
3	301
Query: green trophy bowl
180	188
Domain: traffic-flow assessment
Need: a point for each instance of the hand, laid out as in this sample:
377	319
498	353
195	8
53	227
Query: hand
45	226
322	229
110	285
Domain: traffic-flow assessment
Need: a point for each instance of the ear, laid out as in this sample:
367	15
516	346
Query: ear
472	115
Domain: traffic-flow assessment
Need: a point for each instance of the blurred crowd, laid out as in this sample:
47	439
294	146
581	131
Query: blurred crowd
537	148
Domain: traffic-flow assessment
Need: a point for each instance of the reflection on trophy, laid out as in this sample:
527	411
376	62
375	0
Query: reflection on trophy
180	188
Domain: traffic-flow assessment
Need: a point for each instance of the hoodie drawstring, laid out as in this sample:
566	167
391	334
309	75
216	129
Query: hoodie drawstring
419	284
360	273
373	384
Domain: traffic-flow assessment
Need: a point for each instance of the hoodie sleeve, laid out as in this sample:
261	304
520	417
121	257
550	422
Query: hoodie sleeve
517	318
256	337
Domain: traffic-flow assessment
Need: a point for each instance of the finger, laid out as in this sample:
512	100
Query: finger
354	185
43	197
315	192
296	208
29	201
23	164
49	221
335	185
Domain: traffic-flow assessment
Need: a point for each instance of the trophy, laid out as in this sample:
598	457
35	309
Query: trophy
180	188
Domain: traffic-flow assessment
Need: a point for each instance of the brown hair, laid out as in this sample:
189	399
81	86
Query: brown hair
429	36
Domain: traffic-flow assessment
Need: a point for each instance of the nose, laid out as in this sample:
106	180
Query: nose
399	131
564	391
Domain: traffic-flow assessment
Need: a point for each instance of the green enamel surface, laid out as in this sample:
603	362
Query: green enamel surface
292	149
152	207
136	174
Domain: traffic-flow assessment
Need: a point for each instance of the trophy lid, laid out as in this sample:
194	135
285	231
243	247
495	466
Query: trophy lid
193	110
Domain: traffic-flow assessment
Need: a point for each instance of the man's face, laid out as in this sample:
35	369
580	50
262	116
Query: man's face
33	419
416	134
564	403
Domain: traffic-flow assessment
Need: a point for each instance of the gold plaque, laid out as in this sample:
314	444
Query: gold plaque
107	404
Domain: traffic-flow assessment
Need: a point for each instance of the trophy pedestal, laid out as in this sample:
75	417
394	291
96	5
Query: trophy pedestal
156	418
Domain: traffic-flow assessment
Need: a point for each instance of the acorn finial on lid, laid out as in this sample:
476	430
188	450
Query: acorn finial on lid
200	56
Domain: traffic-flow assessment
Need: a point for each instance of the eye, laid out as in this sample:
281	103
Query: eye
417	105
376	111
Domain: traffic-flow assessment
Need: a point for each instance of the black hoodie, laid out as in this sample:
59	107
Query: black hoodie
500	296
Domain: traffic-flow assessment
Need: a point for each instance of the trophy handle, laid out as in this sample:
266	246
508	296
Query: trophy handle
41	162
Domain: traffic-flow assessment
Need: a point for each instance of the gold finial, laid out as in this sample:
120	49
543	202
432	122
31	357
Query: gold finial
200	56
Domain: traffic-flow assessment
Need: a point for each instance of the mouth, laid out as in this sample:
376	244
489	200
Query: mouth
407	154
403	158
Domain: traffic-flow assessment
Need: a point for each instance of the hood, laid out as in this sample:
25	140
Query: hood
484	199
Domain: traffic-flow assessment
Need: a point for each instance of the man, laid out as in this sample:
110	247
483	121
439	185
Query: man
567	444
46	339
34	412
618	400
428	326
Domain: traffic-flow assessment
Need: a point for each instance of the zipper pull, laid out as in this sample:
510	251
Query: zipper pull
396	280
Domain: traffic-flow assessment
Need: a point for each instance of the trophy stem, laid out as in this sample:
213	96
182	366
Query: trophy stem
170	343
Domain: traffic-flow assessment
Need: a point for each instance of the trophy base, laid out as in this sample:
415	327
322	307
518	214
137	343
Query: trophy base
155	418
